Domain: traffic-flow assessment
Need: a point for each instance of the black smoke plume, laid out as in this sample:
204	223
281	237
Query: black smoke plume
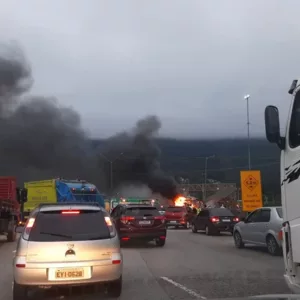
135	158
41	139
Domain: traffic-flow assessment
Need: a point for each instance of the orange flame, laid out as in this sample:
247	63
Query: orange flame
180	201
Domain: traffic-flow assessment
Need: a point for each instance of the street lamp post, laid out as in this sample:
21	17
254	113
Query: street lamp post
248	131
111	167
205	176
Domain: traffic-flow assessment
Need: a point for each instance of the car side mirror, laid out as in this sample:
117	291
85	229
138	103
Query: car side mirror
272	126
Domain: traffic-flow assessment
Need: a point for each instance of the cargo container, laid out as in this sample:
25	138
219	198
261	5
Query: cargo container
60	190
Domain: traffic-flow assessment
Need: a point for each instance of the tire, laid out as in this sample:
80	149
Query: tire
194	228
238	241
272	246
207	230
20	292
160	242
114	288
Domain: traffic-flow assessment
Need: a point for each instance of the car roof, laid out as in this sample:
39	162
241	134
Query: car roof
69	206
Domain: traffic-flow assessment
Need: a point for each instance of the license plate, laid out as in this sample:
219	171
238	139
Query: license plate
145	222
226	220
173	222
69	273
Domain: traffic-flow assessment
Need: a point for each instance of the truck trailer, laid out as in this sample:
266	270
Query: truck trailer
11	198
60	190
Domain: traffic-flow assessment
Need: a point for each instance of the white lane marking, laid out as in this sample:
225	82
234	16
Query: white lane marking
191	292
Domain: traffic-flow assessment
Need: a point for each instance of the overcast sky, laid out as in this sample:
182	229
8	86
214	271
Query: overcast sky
189	62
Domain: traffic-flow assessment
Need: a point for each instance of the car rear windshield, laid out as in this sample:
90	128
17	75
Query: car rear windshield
176	209
279	212
54	226
220	212
142	211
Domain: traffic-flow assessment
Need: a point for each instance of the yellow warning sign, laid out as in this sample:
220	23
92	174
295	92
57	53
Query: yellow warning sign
251	190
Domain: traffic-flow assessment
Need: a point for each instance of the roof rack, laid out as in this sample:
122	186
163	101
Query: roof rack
69	204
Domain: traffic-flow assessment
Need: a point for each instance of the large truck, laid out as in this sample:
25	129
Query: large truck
289	144
60	190
11	200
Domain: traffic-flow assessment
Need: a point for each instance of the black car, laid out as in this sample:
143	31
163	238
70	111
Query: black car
214	220
140	222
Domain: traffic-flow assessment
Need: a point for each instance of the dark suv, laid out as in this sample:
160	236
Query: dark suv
139	222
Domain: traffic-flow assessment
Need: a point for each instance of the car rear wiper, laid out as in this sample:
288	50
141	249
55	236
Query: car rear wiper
56	234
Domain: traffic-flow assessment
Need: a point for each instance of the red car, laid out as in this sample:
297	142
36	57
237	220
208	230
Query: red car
139	222
179	216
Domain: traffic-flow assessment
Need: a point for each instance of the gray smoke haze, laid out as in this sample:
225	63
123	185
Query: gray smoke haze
41	139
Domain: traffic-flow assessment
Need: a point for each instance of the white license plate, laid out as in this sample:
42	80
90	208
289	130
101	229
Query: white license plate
173	222
76	273
226	220
145	222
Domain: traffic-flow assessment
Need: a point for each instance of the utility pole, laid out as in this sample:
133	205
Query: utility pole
248	131
205	176
111	168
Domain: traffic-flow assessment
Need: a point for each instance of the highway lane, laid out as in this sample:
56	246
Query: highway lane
190	266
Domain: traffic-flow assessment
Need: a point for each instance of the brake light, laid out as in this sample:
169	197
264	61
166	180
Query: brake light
30	223
236	219
125	239
70	212
108	221
215	219
116	258
126	219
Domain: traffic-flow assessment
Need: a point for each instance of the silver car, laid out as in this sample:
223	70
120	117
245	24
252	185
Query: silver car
262	228
66	245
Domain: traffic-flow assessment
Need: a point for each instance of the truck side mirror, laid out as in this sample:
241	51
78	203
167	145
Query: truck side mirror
272	126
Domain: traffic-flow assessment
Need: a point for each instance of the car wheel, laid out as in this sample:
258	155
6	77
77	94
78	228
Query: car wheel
208	230
272	245
160	242
187	225
238	241
115	288
20	292
194	228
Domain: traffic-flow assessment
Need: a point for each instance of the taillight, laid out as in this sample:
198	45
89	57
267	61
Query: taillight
126	219
236	219
116	258
280	235
20	261
110	226
215	219
30	223
70	212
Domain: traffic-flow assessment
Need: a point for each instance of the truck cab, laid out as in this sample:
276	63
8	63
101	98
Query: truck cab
289	144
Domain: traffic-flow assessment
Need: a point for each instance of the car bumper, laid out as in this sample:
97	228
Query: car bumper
224	227
150	235
293	286
43	275
176	222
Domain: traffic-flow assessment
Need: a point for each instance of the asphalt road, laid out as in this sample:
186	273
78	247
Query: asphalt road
190	266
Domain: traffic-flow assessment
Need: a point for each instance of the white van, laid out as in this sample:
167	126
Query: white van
290	182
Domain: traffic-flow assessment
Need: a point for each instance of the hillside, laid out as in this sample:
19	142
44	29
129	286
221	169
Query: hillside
186	158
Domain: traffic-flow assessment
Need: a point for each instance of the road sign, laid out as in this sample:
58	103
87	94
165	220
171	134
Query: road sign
251	190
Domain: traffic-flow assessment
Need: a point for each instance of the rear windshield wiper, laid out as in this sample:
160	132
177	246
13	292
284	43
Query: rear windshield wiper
56	234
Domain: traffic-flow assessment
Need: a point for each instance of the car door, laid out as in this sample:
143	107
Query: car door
261	226
202	219
249	224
